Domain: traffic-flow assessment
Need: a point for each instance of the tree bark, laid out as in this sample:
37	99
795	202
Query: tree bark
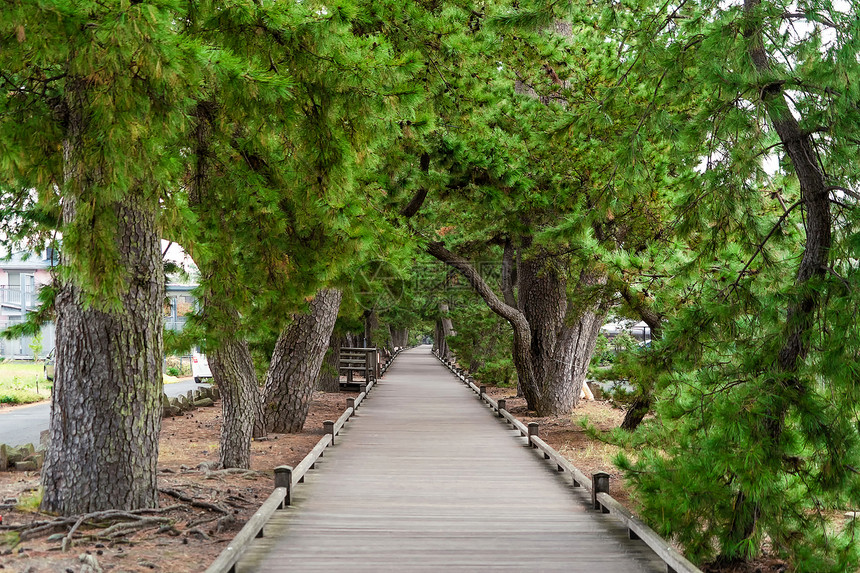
563	336
400	337
296	363
106	403
329	378
241	401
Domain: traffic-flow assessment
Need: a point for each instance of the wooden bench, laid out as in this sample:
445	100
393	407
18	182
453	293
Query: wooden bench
364	361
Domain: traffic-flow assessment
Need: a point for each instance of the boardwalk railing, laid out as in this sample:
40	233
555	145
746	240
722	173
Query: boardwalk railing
597	485
286	478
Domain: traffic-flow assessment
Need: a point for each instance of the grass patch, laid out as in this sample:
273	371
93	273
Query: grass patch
23	382
30	503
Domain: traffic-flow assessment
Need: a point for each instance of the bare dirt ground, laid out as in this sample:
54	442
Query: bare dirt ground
200	510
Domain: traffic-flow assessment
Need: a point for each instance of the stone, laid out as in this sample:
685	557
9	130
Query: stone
28	466
204	403
4	458
44	440
38	458
14	455
165	401
170	412
55	537
216	394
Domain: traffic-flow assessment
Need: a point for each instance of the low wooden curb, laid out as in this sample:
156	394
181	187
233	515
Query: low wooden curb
286	478
598	484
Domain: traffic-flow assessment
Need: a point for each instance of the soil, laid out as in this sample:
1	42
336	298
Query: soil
215	504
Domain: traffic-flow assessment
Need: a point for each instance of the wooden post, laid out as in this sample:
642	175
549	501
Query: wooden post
350	403
284	478
600	484
362	388
329	429
483	391
502	405
534	430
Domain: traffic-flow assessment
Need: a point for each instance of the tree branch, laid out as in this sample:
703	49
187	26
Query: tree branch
418	200
511	314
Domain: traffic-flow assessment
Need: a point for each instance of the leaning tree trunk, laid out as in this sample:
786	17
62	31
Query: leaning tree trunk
329	378
241	401
787	389
106	403
296	363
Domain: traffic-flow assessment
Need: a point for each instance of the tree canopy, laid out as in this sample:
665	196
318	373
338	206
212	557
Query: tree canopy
690	164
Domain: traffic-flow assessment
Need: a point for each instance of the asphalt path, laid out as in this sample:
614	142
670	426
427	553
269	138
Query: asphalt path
23	424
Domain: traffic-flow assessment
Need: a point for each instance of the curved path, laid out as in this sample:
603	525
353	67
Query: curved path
424	478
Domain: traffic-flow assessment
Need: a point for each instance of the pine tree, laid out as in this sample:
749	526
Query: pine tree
102	92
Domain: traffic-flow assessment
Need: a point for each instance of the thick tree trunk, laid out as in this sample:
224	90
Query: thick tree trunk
106	403
401	337
296	363
329	378
563	337
241	401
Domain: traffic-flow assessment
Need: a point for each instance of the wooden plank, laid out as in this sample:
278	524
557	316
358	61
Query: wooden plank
305	465
338	425
233	552
426	481
524	431
579	478
657	544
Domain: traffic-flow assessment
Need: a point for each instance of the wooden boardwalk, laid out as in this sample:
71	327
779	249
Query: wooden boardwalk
424	478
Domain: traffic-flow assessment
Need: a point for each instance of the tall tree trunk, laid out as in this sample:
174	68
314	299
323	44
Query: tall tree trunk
230	357
296	363
106	403
241	401
788	389
401	337
329	378
371	323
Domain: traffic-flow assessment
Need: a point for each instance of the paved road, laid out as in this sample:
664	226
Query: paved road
424	478
24	424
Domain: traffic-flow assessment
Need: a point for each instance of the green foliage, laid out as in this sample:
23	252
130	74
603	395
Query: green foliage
607	349
173	371
35	345
277	142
